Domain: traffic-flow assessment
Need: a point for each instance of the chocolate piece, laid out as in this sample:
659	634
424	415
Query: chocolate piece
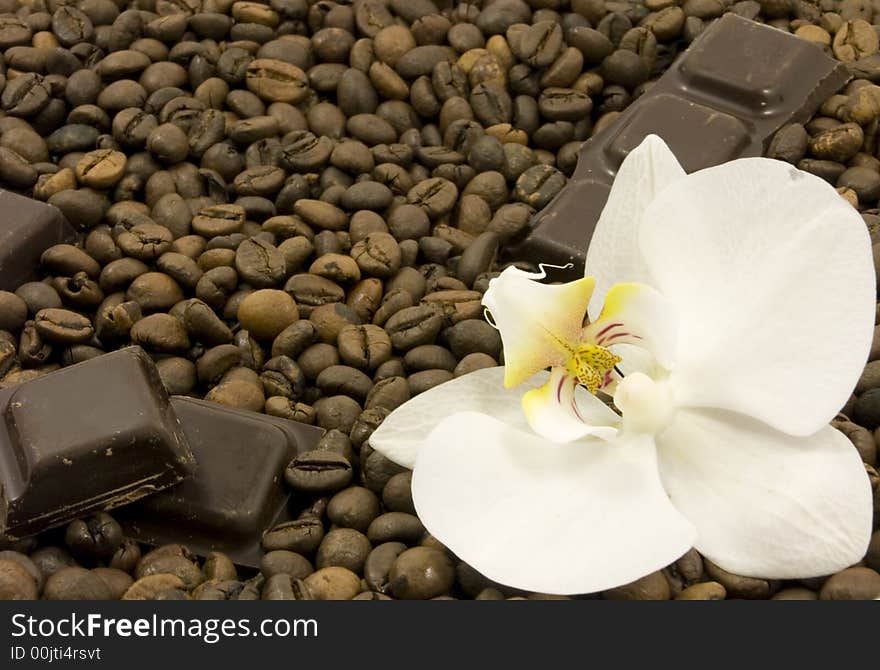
27	228
238	489
724	98
88	437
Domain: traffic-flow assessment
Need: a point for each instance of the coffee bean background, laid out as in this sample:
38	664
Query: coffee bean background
294	206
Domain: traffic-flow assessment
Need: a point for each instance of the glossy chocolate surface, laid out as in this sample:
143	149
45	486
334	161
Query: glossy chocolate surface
724	98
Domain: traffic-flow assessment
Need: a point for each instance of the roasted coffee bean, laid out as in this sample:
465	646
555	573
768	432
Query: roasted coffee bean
421	573
157	587
178	375
389	393
397	494
538	185
414	326
738	586
343	547
838	144
858	583
98	536
354	507
75	583
16	583
161	333
333	583
218	220
285	562
318	472
276	81
396	527
364	346
63	326
378	564
651	587
302	536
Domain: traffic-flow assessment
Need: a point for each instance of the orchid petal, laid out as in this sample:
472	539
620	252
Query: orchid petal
539	323
555	518
772	277
767	504
613	255
562	411
402	433
636	314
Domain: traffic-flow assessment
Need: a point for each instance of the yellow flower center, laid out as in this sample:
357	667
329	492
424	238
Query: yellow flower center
591	364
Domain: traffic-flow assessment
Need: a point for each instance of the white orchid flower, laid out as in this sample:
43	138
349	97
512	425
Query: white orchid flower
739	303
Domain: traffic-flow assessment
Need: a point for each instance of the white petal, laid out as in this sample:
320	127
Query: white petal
613	255
402	433
539	323
767	504
636	314
772	277
562	411
555	518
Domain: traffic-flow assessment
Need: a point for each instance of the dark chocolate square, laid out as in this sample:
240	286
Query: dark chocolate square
699	136
27	228
92	436
238	490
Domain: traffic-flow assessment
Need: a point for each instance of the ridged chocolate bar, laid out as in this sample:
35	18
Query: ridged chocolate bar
238	490
724	98
27	228
89	437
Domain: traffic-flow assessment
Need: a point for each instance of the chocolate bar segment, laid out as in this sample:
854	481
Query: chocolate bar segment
238	490
27	228
724	98
89	437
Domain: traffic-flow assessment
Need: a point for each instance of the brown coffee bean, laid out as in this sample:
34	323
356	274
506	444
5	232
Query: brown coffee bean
378	565
389	393
178	375
338	411
839	143
852	584
239	394
421	573
703	591
157	587
302	536
276	81
650	587
364	346
218	220
75	583
267	312
333	583
396	527
154	292
795	593
285	562
343	547
377	255
62	325
16	583
101	169
414	326
336	267
318	472
160	332
13	312
854	40
354	507
738	586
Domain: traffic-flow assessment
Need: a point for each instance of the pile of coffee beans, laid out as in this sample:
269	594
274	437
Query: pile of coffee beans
295	206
